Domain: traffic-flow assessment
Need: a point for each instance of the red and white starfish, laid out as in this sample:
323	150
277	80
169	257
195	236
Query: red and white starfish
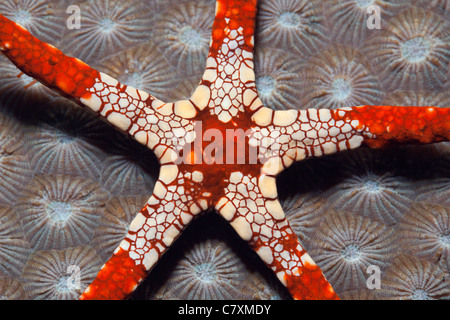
220	149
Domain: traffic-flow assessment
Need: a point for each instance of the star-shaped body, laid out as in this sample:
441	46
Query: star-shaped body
221	149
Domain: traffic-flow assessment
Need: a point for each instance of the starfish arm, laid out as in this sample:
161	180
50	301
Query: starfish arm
228	83
233	17
251	206
150	234
286	136
379	126
281	250
118	104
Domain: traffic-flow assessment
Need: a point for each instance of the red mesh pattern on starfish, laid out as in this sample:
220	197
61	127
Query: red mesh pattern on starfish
44	62
221	149
233	15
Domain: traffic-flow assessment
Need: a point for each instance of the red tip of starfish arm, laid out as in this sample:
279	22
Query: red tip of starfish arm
233	15
310	285
42	61
117	279
381	125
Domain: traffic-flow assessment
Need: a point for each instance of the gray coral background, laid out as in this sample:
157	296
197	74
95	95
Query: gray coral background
70	184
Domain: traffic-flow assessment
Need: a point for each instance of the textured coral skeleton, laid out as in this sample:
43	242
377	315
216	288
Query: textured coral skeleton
243	189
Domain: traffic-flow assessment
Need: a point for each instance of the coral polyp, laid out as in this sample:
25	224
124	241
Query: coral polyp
208	271
277	78
65	135
292	24
142	67
413	51
425	232
346	245
106	26
369	188
352	17
340	76
59	211
412	278
182	34
60	274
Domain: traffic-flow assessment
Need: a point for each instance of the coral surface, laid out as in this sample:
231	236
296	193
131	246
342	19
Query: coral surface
69	186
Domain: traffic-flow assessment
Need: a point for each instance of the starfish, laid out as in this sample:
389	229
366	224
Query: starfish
221	149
